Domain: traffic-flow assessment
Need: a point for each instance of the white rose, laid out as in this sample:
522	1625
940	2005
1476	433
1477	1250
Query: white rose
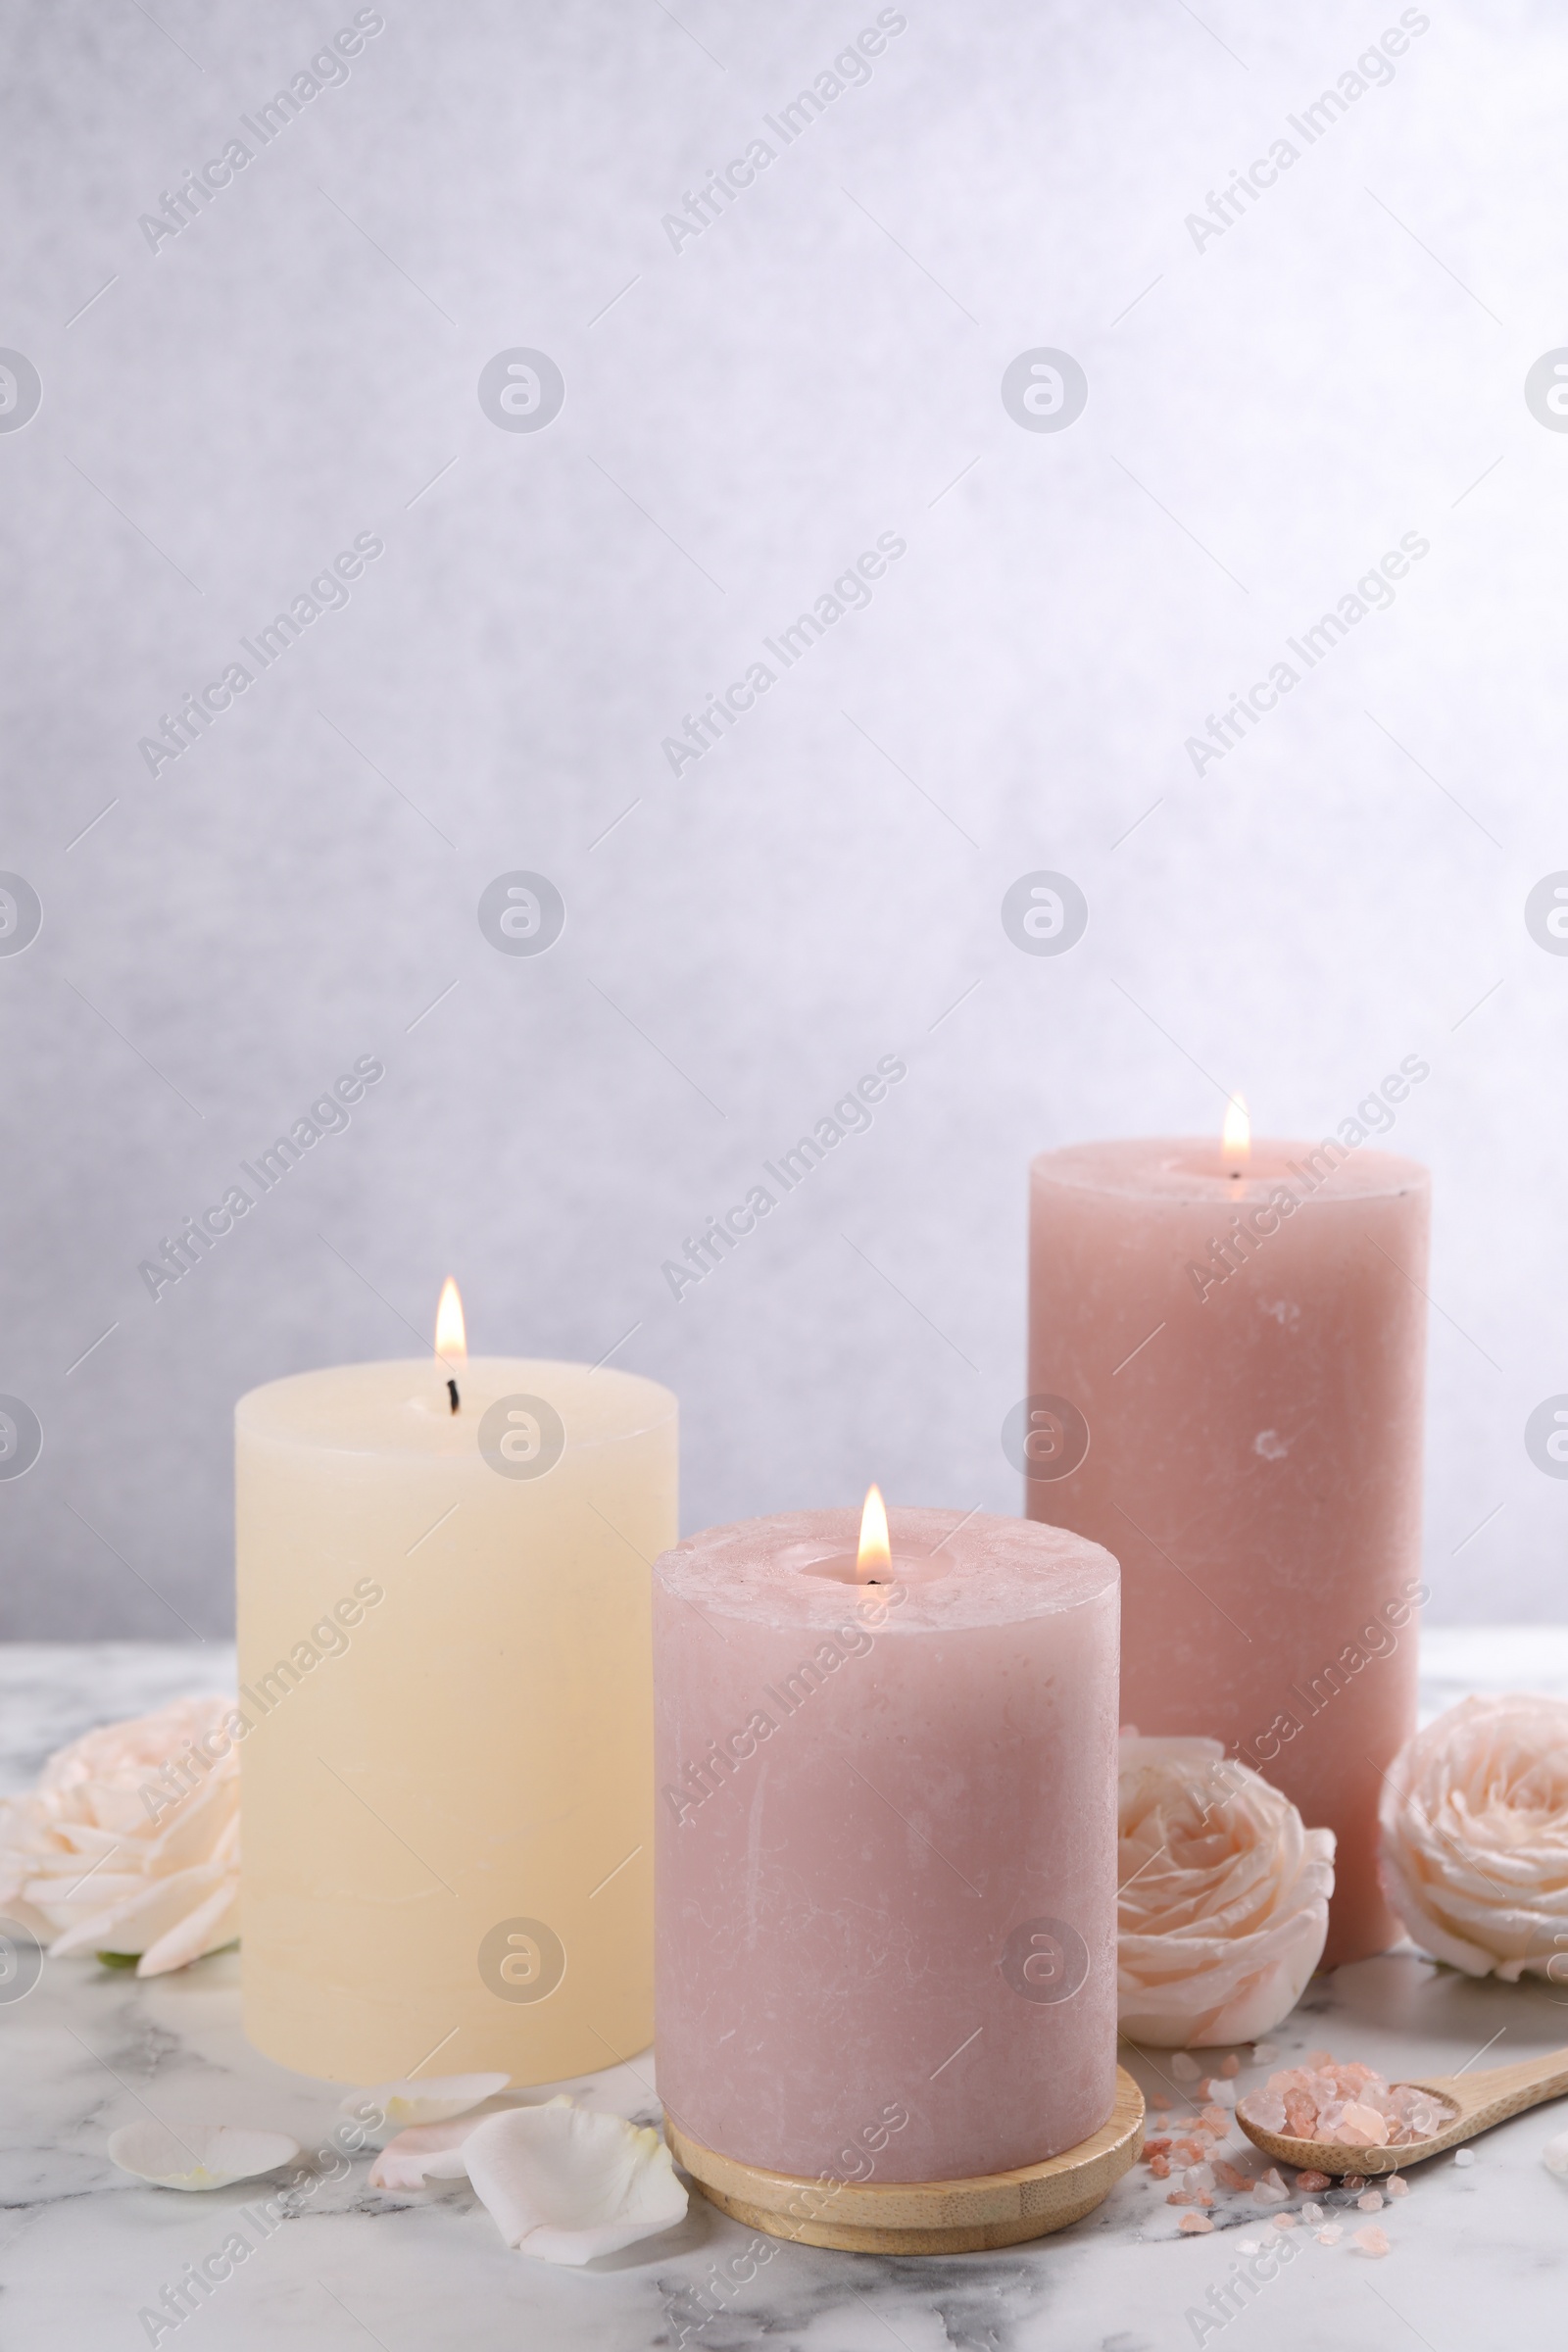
1224	1896
1475	1837
95	1860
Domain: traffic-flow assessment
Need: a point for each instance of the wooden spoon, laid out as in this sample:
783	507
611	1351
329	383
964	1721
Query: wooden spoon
1478	2101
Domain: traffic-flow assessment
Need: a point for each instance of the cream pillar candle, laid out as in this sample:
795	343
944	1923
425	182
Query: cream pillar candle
886	1844
444	1663
1226	1365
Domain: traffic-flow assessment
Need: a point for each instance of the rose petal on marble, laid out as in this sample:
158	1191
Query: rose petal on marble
566	2184
425	2152
424	2102
201	2156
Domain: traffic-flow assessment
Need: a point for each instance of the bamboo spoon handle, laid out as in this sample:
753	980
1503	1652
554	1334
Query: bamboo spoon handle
1490	2098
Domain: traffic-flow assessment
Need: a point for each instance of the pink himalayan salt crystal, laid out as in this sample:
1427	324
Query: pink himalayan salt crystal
1310	2180
1339	2101
1230	2065
1285	2221
1184	2069
1194	2223
1396	2186
1160	2098
1371	2239
1311	2213
1331	2233
1372	2202
1271	2189
1354	2183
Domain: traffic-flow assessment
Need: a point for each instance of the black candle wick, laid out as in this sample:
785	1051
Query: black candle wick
452	1391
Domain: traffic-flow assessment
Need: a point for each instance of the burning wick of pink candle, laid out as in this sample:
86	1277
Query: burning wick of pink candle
450	1337
873	1561
1236	1138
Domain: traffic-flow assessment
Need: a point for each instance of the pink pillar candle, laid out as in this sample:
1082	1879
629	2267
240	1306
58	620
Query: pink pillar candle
1241	1355
885	1864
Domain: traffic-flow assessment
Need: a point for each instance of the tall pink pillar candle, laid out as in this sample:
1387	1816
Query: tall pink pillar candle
1242	1355
885	1872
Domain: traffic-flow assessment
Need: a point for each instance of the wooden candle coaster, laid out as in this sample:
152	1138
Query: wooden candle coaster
924	2217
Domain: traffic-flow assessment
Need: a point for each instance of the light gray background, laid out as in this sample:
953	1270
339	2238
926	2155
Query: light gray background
1265	418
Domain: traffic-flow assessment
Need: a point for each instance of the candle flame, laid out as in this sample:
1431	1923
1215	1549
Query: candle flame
451	1339
1236	1140
873	1562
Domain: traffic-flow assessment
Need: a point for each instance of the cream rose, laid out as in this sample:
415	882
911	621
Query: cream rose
1224	1899
106	1855
1475	1837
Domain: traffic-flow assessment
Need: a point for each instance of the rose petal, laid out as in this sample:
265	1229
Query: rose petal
566	2184
425	2152
428	2101
205	1930
199	2155
155	1909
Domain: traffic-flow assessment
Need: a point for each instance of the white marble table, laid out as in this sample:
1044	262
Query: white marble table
1478	2252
